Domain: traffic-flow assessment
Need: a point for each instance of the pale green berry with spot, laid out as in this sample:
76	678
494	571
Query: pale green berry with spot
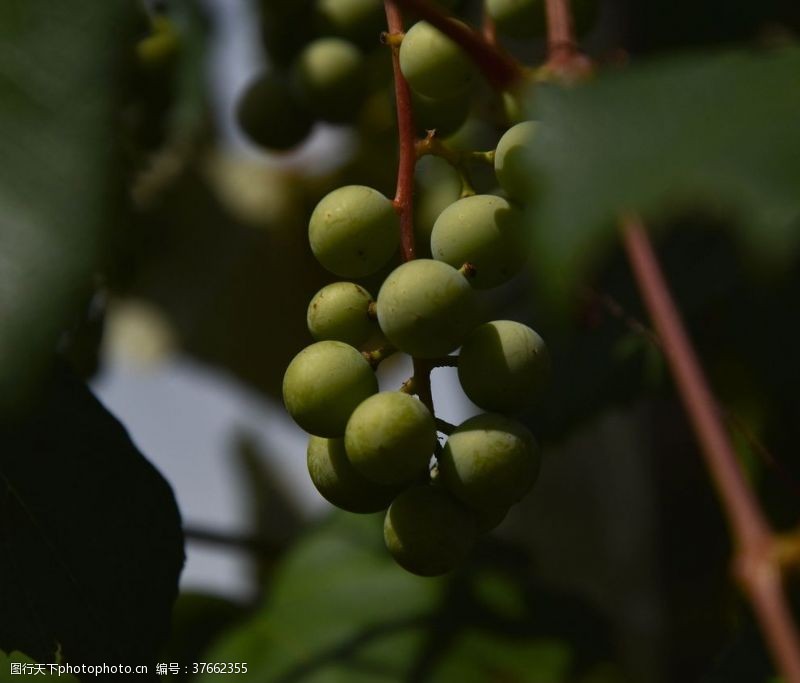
341	311
354	231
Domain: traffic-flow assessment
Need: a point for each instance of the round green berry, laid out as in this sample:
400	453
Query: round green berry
358	20
485	231
390	438
437	186
340	311
323	385
517	18
269	114
433	64
340	483
512	161
489	462
354	231
503	366
330	79
426	308
428	532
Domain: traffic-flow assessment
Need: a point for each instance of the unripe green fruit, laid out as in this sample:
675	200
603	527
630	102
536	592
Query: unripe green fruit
438	185
517	18
354	231
323	385
358	20
340	483
390	438
512	161
489	462
445	115
428	532
269	114
503	366
330	79
433	64
485	231
426	308
340	311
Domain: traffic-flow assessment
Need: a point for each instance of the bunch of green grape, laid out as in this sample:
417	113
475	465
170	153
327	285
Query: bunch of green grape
374	449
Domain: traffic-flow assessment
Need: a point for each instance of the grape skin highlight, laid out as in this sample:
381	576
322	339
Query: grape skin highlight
511	161
324	384
484	230
340	483
426	308
390	438
503	365
428	532
354	231
489	462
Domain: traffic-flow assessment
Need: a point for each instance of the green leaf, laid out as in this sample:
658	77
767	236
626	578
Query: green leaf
90	536
340	611
58	75
718	130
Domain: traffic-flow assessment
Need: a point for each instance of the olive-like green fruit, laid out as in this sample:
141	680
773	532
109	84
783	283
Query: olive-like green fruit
340	311
324	384
390	438
340	483
270	115
428	532
354	231
485	231
432	63
512	161
503	366
358	20
426	308
489	462
330	77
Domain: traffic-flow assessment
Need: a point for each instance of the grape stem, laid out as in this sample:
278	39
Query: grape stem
757	563
404	196
500	69
432	145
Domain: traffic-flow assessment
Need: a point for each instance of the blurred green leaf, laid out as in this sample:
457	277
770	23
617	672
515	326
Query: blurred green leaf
720	130
58	76
90	537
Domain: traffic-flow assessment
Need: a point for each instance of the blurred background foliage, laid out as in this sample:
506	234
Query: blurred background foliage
119	186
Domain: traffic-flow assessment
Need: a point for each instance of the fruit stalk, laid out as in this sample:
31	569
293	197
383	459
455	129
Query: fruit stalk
756	564
404	195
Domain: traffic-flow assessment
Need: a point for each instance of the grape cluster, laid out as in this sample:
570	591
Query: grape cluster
373	449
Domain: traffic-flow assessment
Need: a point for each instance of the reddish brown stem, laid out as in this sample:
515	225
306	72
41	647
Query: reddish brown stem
501	70
404	196
756	564
564	58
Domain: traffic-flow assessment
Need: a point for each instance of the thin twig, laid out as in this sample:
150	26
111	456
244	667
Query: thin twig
756	562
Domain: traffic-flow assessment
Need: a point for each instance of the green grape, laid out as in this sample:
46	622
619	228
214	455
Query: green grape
354	231
517	18
489	463
503	365
484	230
340	311
511	161
390	438
432	63
358	20
445	115
527	18
269	114
330	78
340	483
437	186
428	532
426	308
323	385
